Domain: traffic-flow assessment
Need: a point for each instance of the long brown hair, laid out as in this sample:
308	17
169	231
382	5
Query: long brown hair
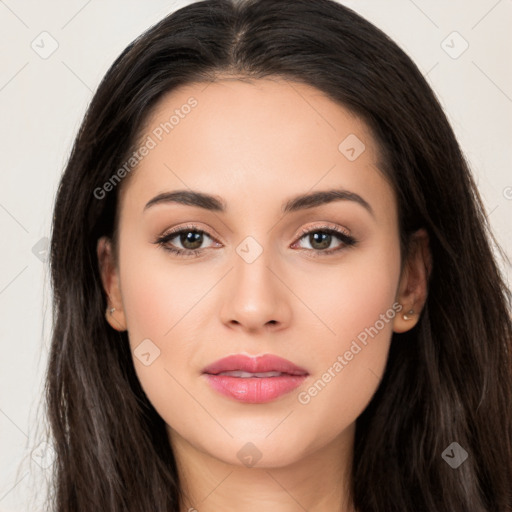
447	380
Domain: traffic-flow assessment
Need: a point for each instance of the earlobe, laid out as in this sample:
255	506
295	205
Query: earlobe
110	280
413	287
115	320
405	321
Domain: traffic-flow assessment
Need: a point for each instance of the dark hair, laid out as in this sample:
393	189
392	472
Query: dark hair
448	379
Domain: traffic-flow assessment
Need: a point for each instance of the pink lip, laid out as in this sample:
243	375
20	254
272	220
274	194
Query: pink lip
265	363
254	389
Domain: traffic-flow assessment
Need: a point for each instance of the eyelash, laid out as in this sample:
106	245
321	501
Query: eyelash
348	241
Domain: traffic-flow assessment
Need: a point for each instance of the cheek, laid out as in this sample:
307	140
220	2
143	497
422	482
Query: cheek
359	307
351	296
158	304
158	300
156	293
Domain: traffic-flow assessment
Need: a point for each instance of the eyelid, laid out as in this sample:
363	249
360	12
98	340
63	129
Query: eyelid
325	226
168	235
186	227
343	235
304	230
340	232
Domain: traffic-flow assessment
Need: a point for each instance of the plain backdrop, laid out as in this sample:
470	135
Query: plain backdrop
462	47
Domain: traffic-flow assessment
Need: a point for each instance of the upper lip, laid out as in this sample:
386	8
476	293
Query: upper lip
259	364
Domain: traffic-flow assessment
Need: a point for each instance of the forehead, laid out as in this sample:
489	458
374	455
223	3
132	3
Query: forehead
273	111
268	136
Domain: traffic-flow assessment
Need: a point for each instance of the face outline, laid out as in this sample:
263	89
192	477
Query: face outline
256	145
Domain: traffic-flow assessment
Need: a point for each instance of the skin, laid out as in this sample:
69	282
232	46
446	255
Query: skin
256	145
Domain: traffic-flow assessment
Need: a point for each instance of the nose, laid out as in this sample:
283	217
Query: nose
255	296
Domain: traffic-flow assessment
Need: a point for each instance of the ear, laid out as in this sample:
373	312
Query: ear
110	279
413	287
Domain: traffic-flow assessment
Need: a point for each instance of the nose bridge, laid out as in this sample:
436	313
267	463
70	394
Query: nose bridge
255	295
252	276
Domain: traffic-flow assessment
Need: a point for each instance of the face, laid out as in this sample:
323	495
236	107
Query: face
317	283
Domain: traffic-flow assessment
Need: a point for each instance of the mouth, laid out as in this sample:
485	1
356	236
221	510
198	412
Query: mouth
256	366
247	375
254	380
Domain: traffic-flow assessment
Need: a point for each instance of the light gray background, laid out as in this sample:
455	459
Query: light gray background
43	101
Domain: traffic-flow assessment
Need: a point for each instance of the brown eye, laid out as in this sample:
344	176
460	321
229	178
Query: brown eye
320	240
191	240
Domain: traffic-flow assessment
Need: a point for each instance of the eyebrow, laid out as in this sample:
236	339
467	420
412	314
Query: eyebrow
300	202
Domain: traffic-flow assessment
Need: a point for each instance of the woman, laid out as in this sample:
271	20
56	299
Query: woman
273	279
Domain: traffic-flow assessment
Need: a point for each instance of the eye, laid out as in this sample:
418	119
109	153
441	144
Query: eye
191	239
321	238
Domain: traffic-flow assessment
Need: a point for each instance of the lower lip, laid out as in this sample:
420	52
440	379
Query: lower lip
254	390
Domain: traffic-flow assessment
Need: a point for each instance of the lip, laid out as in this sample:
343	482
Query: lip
259	364
254	389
